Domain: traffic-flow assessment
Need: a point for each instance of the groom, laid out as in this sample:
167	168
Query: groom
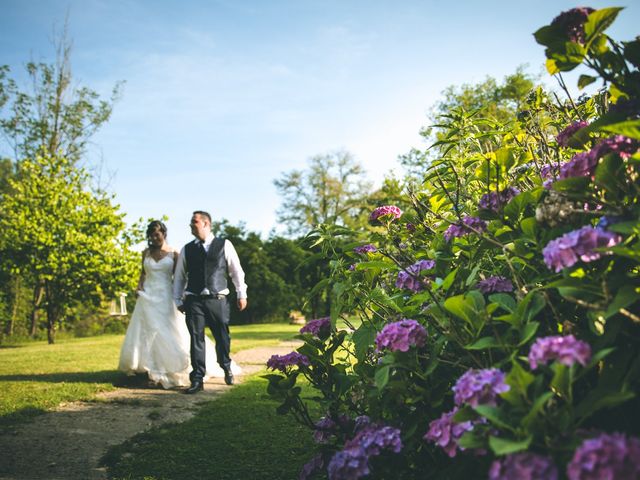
200	291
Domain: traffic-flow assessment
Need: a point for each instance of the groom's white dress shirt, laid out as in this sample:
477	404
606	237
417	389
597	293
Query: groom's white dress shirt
233	265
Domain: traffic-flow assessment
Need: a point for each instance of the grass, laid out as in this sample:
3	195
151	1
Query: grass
236	436
36	377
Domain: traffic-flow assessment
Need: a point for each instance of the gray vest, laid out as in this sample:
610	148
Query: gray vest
206	269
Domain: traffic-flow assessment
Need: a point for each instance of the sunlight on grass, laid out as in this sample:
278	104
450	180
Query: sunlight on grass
36	377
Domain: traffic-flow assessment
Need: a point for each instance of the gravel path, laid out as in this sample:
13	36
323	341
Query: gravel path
68	443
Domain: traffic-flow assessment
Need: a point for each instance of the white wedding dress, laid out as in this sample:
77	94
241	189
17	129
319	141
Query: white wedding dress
157	339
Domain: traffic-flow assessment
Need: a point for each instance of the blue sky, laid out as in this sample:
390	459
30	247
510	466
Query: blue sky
222	97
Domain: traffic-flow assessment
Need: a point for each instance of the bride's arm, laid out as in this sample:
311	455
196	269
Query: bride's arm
142	274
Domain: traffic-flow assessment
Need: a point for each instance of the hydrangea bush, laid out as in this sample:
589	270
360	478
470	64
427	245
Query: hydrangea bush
498	331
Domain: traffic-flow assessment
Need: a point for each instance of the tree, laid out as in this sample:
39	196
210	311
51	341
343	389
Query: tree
496	103
50	114
331	191
66	239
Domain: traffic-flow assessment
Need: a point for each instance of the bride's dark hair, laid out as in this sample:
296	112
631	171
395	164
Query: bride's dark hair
153	226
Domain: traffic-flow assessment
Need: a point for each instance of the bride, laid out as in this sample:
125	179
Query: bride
157	340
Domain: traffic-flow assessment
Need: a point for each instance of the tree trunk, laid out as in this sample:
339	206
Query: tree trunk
38	293
8	330
53	315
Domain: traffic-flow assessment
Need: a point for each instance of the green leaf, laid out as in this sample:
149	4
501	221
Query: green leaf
495	416
537	406
561	381
585	80
448	280
518	379
484	342
528	331
627	295
471	440
601	398
574	184
469	307
599	21
363	338
505	446
505	300
529	227
382	376
629	128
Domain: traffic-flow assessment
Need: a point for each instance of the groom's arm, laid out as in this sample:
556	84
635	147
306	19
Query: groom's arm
236	273
179	280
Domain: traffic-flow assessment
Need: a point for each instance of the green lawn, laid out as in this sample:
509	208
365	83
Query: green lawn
237	436
35	376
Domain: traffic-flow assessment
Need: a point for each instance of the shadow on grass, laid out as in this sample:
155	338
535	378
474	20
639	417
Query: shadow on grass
103	376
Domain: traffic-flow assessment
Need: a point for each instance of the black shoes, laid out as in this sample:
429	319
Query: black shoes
228	377
195	387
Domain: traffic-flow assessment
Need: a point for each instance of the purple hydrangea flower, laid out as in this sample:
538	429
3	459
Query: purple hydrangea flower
623	146
283	362
324	430
610	456
564	136
400	336
581	165
374	438
565	349
409	278
364	249
607	220
523	466
410	227
387	210
312	466
370	440
320	327
348	465
479	387
494	201
469	225
571	23
549	171
495	284
352	267
445	433
580	244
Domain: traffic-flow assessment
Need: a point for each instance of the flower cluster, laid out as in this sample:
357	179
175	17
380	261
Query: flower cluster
324	430
409	278
445	433
282	362
564	136
523	466
371	440
312	466
494	201
565	349
607	456
571	23
468	225
479	387
402	335
623	146
364	249
495	284
583	164
320	327
387	210
579	244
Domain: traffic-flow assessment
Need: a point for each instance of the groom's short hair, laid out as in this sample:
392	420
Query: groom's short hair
203	214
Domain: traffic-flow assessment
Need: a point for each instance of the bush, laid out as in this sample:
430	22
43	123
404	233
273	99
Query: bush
499	316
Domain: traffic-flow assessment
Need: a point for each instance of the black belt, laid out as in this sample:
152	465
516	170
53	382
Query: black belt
219	296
